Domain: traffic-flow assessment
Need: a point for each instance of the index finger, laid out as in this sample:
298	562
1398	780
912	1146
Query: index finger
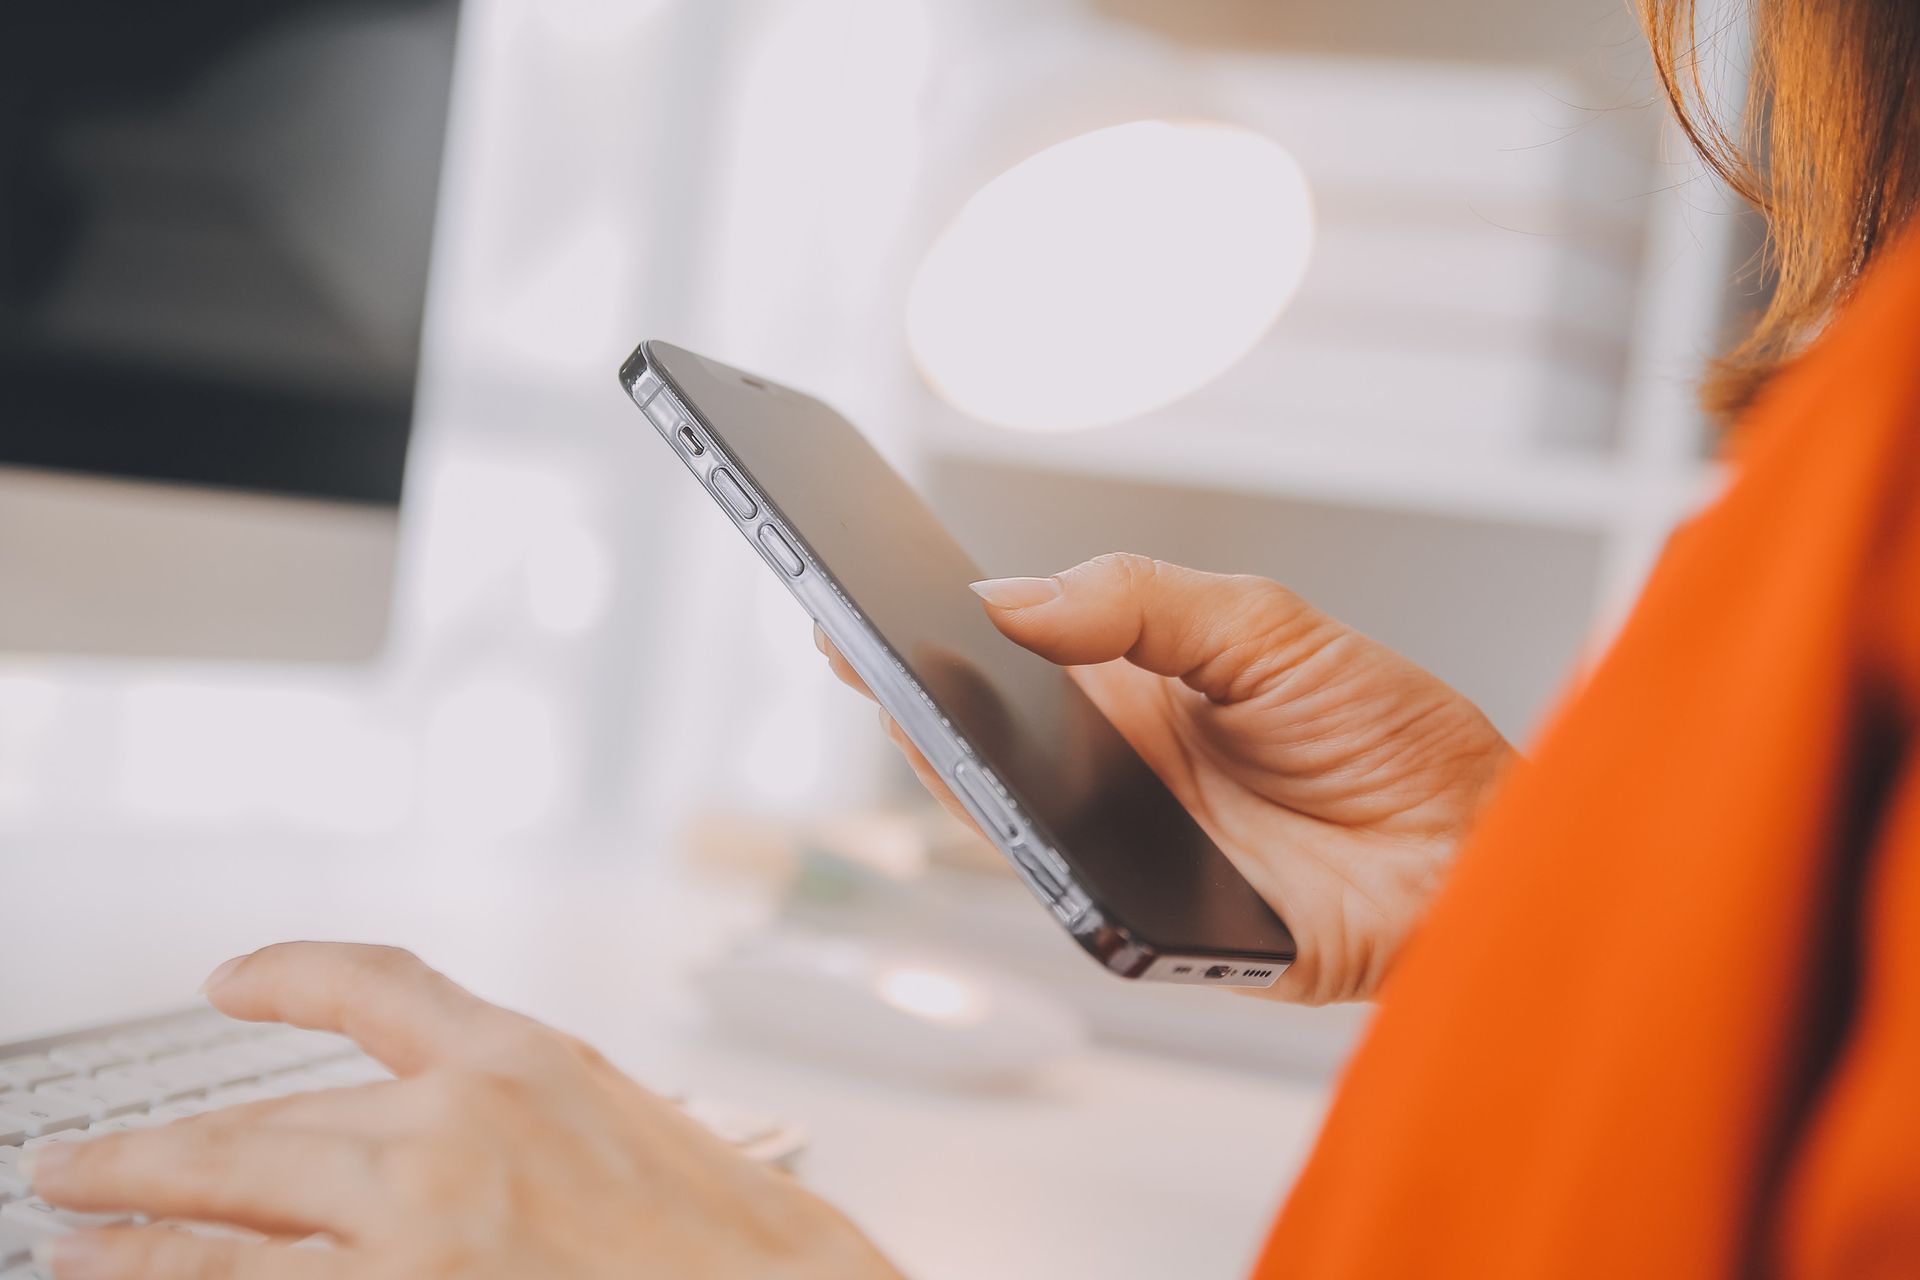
386	1000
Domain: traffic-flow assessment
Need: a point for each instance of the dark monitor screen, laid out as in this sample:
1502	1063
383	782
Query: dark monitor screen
216	218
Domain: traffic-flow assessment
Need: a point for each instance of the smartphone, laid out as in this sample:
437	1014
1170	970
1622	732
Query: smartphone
1083	819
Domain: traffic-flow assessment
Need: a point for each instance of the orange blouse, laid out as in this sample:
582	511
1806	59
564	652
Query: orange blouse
1664	1020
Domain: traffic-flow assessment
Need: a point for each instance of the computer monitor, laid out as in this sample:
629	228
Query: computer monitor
216	219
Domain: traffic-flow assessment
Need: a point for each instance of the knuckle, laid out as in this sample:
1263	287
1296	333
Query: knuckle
1277	632
373	970
1273	599
466	1098
454	1097
389	962
519	1093
1133	569
1270	615
523	1045
583	1053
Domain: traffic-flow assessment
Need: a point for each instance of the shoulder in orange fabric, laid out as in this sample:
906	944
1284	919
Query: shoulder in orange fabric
1664	1020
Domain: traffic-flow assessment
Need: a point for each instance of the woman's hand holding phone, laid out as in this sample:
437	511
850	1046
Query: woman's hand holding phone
1338	776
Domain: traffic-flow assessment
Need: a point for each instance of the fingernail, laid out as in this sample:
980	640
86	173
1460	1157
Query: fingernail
220	975
1016	593
74	1257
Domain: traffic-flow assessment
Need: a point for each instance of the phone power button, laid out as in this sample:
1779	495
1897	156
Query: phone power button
780	551
987	800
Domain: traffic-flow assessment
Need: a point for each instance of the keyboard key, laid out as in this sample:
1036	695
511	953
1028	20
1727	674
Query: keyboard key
185	1109
65	1135
298	1051
321	1046
353	1071
112	1098
25	1115
196	1030
158	1082
209	1068
282	1086
24	1073
138	1046
123	1124
275	1059
13	1184
121	1081
239	1095
100	1099
307	1080
16	1244
37	1214
87	1056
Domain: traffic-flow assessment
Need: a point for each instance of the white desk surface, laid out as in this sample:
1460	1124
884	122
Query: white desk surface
1115	1165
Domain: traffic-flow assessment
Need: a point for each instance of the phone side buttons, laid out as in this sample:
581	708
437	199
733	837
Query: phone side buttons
780	551
987	801
990	799
734	494
1041	870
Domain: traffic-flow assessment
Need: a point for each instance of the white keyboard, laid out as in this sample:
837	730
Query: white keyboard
139	1074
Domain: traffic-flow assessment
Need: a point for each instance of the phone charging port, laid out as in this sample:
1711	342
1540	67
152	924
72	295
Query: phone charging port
1218	971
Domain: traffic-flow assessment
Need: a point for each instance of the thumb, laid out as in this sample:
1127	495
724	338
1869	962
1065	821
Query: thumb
1228	636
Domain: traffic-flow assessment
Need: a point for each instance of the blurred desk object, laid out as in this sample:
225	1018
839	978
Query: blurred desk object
1117	1164
913	877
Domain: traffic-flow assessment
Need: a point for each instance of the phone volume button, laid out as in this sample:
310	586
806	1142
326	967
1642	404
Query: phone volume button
734	494
781	551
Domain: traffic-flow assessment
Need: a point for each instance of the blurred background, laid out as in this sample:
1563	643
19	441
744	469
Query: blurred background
1395	301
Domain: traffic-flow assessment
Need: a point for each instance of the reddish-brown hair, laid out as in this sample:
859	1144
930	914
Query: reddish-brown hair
1827	147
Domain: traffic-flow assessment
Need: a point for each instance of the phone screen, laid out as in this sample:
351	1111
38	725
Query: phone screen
1131	845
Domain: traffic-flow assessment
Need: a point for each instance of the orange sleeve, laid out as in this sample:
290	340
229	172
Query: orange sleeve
1664	1020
